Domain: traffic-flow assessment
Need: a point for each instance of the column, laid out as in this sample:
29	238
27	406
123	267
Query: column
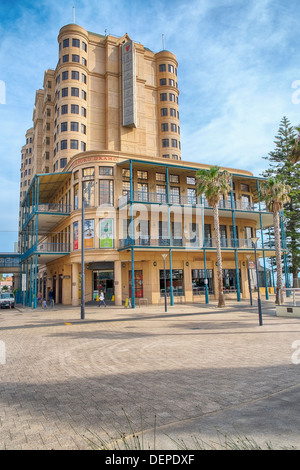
118	283
75	286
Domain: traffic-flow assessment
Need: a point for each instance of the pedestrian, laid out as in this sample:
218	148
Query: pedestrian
51	298
39	298
101	299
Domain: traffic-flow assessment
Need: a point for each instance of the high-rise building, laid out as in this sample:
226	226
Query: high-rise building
106	131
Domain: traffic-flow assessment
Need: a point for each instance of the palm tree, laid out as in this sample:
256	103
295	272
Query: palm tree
214	184
275	194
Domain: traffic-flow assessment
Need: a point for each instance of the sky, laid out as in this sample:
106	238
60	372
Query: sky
238	74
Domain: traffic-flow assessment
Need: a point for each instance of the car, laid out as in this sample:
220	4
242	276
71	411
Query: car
7	300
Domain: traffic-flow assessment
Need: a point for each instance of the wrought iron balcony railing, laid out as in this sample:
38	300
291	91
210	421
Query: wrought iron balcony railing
226	243
51	208
47	248
161	198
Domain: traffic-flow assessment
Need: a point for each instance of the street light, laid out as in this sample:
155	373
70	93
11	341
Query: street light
164	255
249	280
254	242
82	257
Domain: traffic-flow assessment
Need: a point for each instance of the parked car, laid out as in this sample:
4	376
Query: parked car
7	300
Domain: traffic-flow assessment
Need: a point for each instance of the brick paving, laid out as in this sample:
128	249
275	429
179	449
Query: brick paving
193	371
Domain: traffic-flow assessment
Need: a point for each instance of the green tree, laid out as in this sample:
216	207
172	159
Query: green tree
275	193
283	165
213	184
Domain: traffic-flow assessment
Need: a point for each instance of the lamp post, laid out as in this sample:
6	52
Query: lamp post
249	280
254	242
82	258
165	279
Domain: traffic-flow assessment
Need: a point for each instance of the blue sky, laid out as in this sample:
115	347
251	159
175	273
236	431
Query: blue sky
238	62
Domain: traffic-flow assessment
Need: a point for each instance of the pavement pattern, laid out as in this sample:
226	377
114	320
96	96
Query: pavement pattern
193	373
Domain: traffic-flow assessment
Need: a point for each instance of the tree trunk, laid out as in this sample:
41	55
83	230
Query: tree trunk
221	301
279	300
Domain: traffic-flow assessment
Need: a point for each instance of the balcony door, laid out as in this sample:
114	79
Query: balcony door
143	192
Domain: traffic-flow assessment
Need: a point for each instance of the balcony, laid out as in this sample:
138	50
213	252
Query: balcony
49	215
176	199
146	241
47	252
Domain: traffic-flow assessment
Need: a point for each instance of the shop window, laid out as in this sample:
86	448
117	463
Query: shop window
199	280
177	281
230	280
138	283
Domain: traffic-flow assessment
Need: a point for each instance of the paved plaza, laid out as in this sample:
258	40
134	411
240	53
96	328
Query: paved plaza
194	371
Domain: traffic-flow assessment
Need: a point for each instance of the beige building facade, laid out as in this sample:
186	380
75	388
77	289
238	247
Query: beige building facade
106	135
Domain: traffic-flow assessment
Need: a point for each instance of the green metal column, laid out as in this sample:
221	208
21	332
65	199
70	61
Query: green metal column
237	272
132	238
35	281
30	283
27	285
262	244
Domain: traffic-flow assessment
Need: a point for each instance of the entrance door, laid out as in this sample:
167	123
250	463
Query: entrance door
54	288
103	280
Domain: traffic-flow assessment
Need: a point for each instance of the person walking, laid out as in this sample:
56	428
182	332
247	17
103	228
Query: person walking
101	299
51	298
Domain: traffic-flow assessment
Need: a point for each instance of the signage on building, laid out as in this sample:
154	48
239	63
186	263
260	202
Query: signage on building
129	84
106	233
89	233
75	236
95	158
23	282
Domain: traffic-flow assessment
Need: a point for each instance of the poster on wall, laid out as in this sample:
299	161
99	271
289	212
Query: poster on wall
106	233
89	233
75	236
